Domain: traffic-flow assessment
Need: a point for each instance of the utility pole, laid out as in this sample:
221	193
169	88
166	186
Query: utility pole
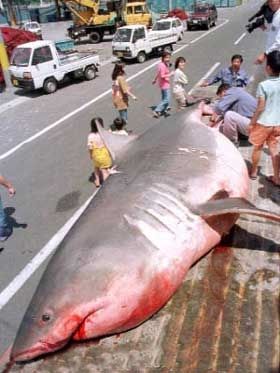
11	13
170	5
58	11
4	61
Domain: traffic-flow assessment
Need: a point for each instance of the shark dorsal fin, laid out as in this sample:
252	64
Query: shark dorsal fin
233	206
115	143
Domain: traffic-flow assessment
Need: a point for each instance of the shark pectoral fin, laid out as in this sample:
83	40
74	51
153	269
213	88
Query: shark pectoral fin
233	206
115	143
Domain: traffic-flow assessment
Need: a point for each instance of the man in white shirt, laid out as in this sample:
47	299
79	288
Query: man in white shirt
273	31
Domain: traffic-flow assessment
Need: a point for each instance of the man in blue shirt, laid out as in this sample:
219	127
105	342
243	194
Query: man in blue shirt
232	75
237	107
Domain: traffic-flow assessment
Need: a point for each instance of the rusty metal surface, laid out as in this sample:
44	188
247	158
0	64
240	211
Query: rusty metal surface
224	318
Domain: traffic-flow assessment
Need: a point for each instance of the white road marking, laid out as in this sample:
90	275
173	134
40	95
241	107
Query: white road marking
209	72
210	31
42	255
15	285
81	108
239	39
11	104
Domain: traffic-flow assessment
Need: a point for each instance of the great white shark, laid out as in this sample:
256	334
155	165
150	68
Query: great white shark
181	187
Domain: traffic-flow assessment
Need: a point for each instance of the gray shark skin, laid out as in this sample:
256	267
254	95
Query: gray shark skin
133	246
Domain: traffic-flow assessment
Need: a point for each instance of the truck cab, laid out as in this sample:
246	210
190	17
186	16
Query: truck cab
137	13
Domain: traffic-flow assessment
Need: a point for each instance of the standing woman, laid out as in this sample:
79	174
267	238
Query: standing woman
120	91
163	79
179	82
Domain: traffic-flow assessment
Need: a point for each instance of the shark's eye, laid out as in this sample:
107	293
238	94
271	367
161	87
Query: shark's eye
46	317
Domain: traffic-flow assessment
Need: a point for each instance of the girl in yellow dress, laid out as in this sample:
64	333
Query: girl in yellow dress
98	152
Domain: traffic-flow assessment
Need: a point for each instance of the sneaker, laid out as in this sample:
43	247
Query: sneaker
155	114
166	114
3	238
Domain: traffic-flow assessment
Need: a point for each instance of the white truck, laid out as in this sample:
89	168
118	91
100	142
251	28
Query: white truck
137	42
40	64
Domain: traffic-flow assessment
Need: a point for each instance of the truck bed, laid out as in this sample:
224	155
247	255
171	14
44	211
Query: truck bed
157	38
65	59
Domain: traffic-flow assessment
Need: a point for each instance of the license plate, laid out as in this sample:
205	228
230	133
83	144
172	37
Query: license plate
195	21
119	54
15	82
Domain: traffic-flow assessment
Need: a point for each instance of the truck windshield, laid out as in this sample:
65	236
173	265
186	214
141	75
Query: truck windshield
32	25
123	35
160	26
21	56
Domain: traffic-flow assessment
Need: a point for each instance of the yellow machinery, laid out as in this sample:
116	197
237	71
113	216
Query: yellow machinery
96	17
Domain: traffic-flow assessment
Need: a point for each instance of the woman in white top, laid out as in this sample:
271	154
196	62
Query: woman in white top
179	82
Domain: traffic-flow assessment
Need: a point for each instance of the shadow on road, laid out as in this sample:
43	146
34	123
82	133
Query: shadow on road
31	94
268	189
242	239
68	202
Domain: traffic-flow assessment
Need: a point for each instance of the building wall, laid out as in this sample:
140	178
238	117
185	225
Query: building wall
161	6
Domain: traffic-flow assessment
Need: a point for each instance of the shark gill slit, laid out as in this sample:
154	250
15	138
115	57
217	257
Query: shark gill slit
157	217
160	203
132	223
179	204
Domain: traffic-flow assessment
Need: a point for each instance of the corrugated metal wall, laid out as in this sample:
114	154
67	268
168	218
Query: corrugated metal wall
160	6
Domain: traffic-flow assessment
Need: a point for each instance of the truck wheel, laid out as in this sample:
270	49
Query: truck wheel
141	57
95	37
168	49
50	85
90	73
208	24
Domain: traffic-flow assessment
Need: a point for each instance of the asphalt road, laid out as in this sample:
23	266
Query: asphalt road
51	169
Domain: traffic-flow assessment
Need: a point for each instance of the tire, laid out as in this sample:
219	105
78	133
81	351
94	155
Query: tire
141	57
50	85
168	49
207	26
90	72
189	28
95	37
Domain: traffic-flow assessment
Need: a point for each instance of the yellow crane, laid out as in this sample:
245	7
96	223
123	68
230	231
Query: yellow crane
94	18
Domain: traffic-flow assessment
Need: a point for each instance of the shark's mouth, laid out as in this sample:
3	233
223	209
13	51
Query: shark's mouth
40	348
